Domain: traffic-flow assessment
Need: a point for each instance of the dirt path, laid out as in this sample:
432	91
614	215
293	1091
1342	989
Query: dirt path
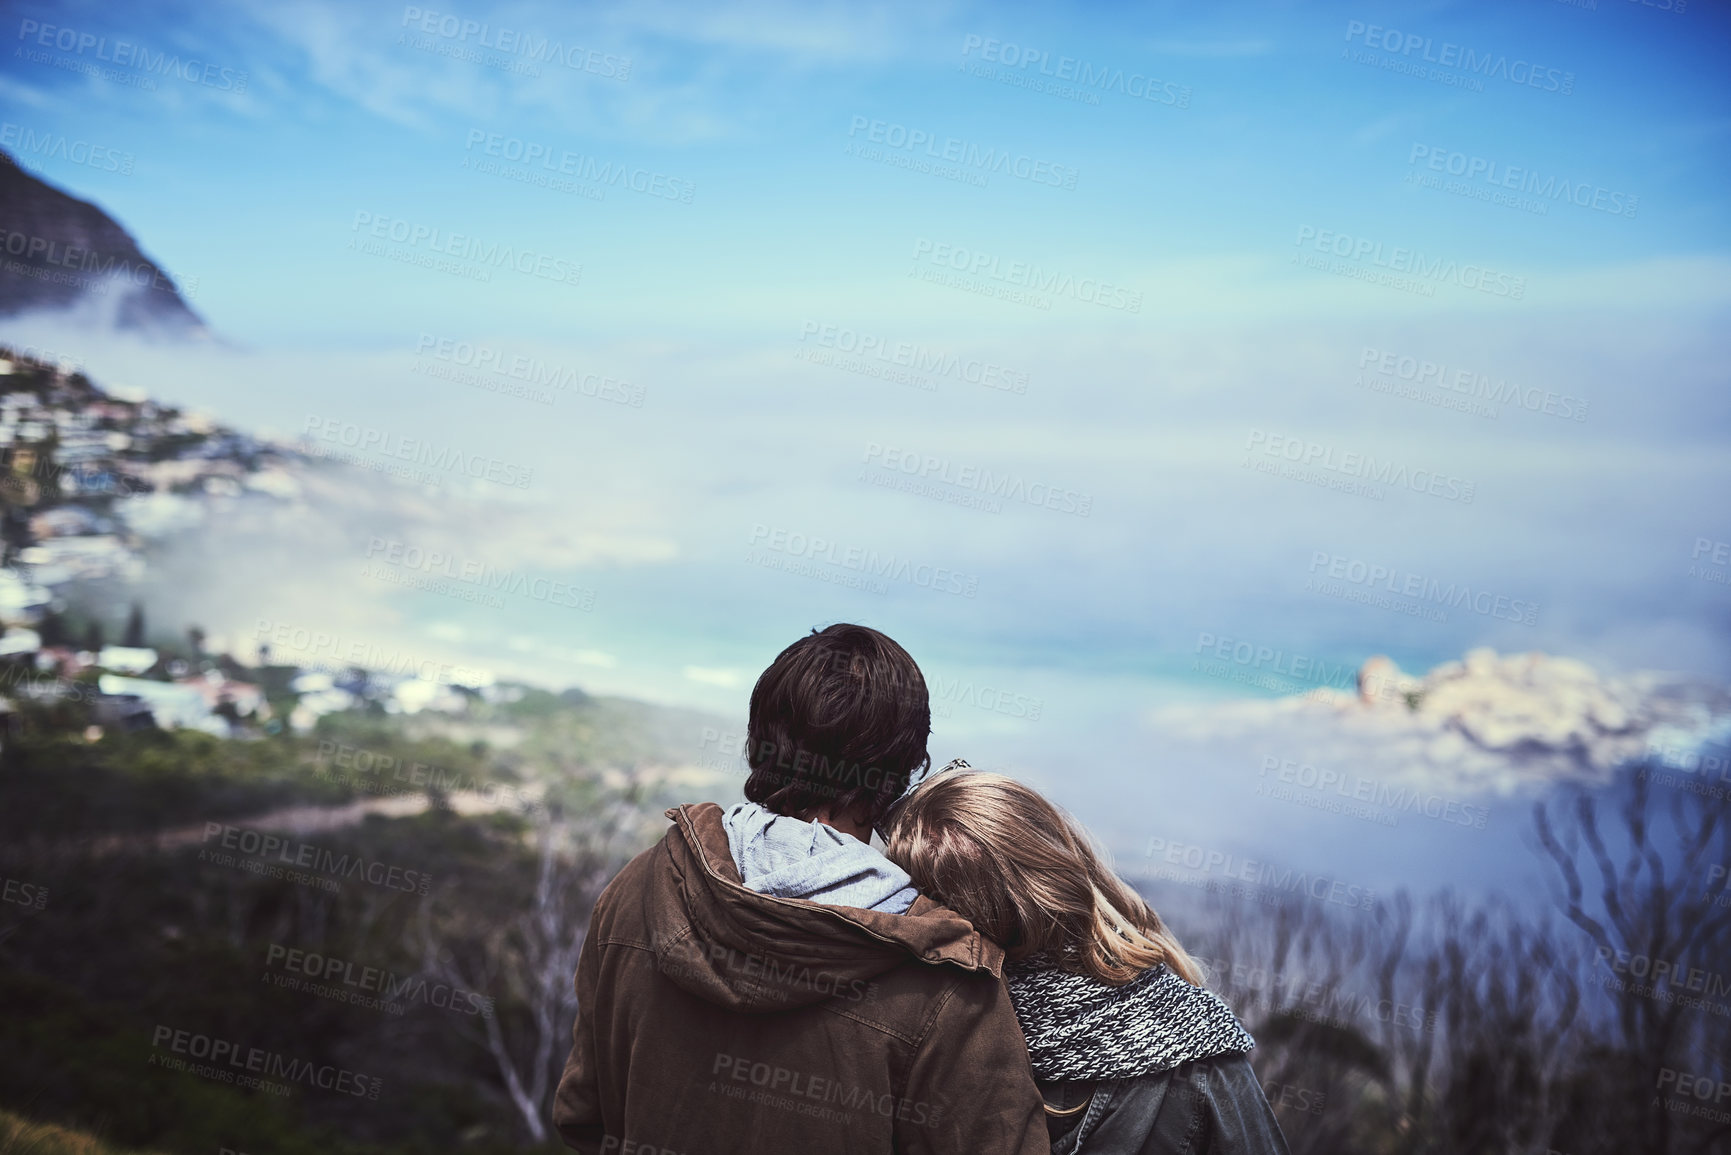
290	820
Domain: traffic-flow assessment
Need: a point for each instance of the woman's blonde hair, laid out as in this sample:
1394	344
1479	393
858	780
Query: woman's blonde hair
1028	878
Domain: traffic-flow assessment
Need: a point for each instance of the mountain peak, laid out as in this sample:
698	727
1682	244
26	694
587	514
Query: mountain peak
59	253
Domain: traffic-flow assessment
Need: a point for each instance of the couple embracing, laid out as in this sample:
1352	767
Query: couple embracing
764	980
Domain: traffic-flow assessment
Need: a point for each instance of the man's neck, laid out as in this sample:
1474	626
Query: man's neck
846	824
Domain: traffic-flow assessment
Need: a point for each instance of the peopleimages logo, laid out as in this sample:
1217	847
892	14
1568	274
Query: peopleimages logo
1481	386
982	696
84	265
428	240
1357	466
1275	666
282	851
1356	788
126	55
983	161
445	458
228	1058
373	987
765	973
1089	79
1261	873
484	358
866	562
480	573
376	773
1485	65
1708	553
57	146
1327	1004
531	46
581	166
1525	180
1411	261
1681	1086
23	893
911	355
791	1088
985	482
342	654
1372	576
1022	275
1669	981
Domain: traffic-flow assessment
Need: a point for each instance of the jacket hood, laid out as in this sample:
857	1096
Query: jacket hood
789	858
752	952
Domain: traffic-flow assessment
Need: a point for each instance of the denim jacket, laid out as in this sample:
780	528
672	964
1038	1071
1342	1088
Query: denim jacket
1207	1107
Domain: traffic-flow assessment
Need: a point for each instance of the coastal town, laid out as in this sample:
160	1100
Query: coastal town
89	479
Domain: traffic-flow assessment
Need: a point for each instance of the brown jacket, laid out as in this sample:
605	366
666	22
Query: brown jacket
715	1019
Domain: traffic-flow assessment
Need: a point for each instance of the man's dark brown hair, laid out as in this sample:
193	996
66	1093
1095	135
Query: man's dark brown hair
838	722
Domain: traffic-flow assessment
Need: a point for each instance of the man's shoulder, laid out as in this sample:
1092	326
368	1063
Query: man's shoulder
910	998
627	889
659	866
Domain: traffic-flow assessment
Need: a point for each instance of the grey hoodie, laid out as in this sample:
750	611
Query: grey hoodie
787	858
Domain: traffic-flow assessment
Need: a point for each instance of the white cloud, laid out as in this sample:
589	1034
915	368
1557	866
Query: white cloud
16	92
1484	725
675	88
354	58
805	33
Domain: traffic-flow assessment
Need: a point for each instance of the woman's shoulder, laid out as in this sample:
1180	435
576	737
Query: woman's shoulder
1218	1096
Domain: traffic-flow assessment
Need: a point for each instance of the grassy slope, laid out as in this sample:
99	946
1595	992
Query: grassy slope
130	940
19	1136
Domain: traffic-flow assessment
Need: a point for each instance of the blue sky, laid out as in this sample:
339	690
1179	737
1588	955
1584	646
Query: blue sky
255	192
1242	211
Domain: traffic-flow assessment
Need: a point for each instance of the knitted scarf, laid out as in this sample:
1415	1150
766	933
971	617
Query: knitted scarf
1078	1027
